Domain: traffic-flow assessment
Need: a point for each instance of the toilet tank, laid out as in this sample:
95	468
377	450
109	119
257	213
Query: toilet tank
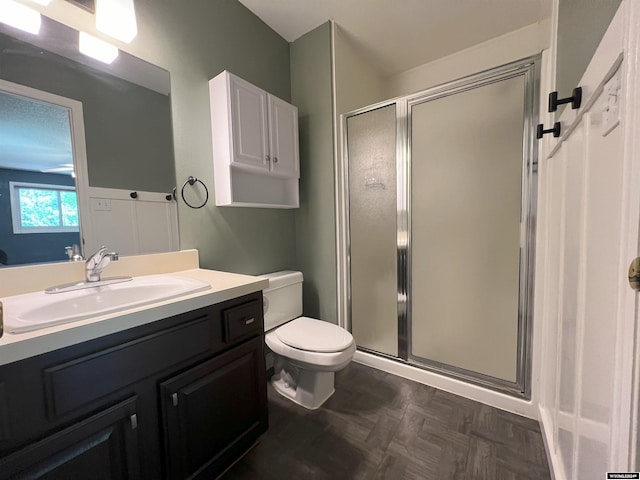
282	299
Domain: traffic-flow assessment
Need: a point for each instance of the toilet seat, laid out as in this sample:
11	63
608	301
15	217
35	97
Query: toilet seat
314	335
320	361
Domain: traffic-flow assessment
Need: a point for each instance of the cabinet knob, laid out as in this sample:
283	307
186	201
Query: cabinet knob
268	158
275	159
134	421
174	399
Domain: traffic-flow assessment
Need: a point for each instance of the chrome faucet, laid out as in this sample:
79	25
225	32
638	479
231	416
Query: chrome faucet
73	252
98	262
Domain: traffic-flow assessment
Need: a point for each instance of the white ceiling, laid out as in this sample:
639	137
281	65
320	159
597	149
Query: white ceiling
396	35
34	135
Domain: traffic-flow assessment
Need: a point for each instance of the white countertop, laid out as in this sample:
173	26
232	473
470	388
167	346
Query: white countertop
224	286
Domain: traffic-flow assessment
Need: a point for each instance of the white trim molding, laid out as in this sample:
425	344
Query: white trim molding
589	219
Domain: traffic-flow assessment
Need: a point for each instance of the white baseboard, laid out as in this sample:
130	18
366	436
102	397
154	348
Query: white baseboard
458	387
555	466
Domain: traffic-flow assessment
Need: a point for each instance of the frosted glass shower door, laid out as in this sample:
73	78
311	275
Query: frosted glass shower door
466	197
371	145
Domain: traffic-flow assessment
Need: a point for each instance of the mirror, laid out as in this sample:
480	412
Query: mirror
125	121
38	194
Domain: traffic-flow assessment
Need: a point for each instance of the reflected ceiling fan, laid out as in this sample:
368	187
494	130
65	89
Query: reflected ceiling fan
62	168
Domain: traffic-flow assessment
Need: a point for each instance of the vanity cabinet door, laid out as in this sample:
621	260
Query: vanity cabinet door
283	138
104	446
249	125
214	412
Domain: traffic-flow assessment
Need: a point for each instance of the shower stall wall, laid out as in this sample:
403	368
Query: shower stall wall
441	222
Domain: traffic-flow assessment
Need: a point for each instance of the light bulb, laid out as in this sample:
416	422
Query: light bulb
19	16
96	48
117	18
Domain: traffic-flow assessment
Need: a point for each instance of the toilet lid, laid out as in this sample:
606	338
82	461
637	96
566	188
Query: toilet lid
314	335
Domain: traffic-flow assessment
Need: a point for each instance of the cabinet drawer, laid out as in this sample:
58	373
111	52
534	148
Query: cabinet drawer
242	321
73	384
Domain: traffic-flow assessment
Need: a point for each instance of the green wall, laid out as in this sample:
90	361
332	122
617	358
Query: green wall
311	92
581	26
195	41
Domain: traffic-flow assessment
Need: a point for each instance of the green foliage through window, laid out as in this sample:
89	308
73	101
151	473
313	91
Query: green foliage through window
44	208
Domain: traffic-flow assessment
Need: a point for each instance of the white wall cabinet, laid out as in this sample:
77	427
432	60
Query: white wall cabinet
255	145
283	138
247	111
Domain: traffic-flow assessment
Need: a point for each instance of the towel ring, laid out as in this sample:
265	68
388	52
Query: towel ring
192	181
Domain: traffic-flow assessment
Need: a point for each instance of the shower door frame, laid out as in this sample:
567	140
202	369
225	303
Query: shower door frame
529	68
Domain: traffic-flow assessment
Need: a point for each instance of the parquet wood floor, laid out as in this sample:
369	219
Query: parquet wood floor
380	426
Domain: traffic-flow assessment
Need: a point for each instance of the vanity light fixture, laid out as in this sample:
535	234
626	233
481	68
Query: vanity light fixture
117	18
19	16
96	48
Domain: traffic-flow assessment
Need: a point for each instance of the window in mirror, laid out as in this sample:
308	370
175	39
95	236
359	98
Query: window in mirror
39	195
38	208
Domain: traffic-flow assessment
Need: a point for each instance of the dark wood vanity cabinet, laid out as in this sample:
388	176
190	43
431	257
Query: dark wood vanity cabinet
182	397
103	446
212	410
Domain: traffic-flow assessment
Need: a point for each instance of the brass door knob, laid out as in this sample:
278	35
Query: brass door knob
634	274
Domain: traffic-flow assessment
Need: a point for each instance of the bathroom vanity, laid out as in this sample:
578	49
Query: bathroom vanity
182	396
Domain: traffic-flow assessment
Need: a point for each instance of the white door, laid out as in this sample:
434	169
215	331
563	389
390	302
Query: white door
249	127
283	132
588	233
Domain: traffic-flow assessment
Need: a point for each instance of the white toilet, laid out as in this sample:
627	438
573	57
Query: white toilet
306	351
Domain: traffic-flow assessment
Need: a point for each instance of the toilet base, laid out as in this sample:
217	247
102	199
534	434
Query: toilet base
308	388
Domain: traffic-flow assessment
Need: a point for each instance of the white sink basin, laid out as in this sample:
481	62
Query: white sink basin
33	311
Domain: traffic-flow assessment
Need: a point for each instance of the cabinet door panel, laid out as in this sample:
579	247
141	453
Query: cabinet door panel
214	412
249	116
104	446
283	121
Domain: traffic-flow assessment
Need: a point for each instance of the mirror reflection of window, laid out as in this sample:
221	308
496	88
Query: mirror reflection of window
38	199
40	208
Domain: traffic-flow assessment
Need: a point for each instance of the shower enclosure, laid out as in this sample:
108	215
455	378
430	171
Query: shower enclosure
440	205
